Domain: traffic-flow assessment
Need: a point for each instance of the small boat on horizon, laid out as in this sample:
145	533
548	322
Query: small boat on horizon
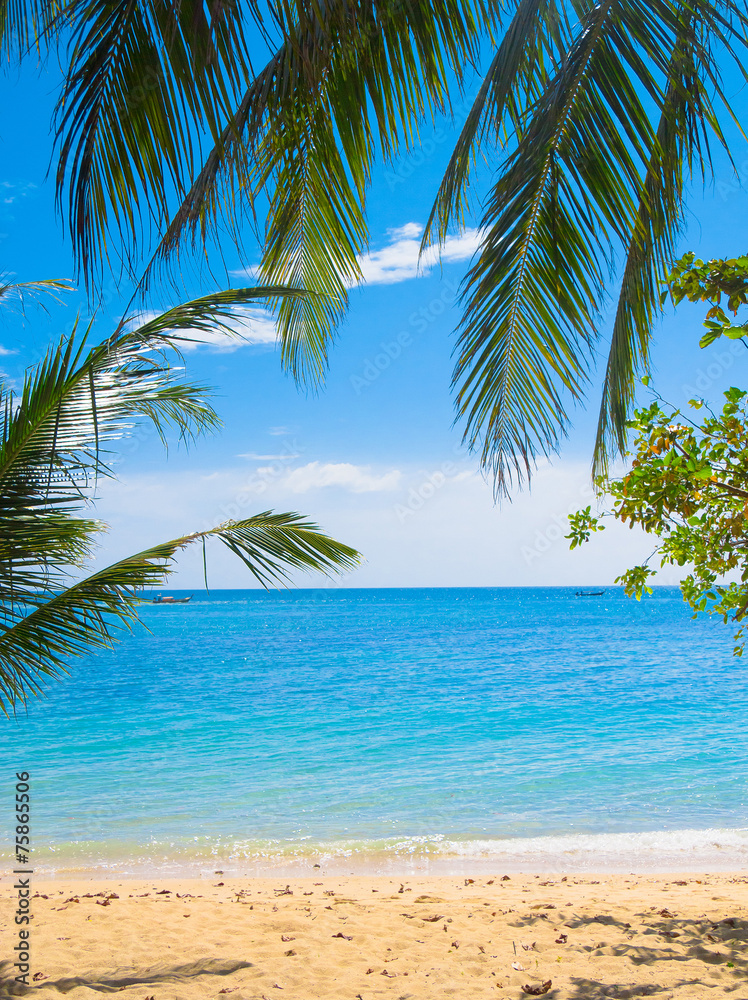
171	600
589	593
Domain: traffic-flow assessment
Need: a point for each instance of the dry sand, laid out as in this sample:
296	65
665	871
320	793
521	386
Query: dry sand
367	937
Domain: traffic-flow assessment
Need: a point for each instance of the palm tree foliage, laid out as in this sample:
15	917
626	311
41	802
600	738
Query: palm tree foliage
56	438
591	118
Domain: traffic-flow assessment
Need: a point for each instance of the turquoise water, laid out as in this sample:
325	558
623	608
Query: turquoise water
394	727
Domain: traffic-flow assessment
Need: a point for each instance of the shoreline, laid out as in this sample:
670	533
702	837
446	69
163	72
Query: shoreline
427	938
370	868
644	852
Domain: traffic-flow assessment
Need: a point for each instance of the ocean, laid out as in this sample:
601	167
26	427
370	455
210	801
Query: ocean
429	730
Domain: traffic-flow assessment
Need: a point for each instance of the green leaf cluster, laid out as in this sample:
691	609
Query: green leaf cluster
696	281
688	485
582	524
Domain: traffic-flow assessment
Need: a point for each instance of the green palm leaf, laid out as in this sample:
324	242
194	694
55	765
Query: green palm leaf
12	292
141	75
514	81
26	26
566	197
37	645
78	398
682	146
345	82
576	95
76	403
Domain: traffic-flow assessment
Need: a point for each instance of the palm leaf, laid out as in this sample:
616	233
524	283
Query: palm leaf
26	26
76	400
75	403
566	198
79	399
682	145
514	82
346	80
18	291
316	233
38	645
141	76
217	311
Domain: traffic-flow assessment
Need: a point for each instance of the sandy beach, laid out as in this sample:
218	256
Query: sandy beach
564	937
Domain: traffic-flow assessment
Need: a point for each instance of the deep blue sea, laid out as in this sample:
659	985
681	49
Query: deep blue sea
393	730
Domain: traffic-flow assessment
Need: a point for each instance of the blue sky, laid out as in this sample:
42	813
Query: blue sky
373	456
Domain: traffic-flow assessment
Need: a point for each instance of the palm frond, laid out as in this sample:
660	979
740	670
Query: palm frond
347	80
687	113
271	545
73	405
316	233
143	78
215	312
566	198
514	82
12	292
78	399
26	26
40	545
38	643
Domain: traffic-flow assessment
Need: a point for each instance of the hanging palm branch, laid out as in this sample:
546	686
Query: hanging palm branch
590	115
141	76
48	629
18	291
27	27
587	176
680	148
344	82
56	438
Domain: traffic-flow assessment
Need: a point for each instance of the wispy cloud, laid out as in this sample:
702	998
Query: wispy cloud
253	457
247	327
354	478
398	260
6	350
438	528
12	193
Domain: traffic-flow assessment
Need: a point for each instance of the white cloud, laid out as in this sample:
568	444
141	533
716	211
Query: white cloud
251	271
6	350
23	186
246	328
355	478
399	259
416	528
